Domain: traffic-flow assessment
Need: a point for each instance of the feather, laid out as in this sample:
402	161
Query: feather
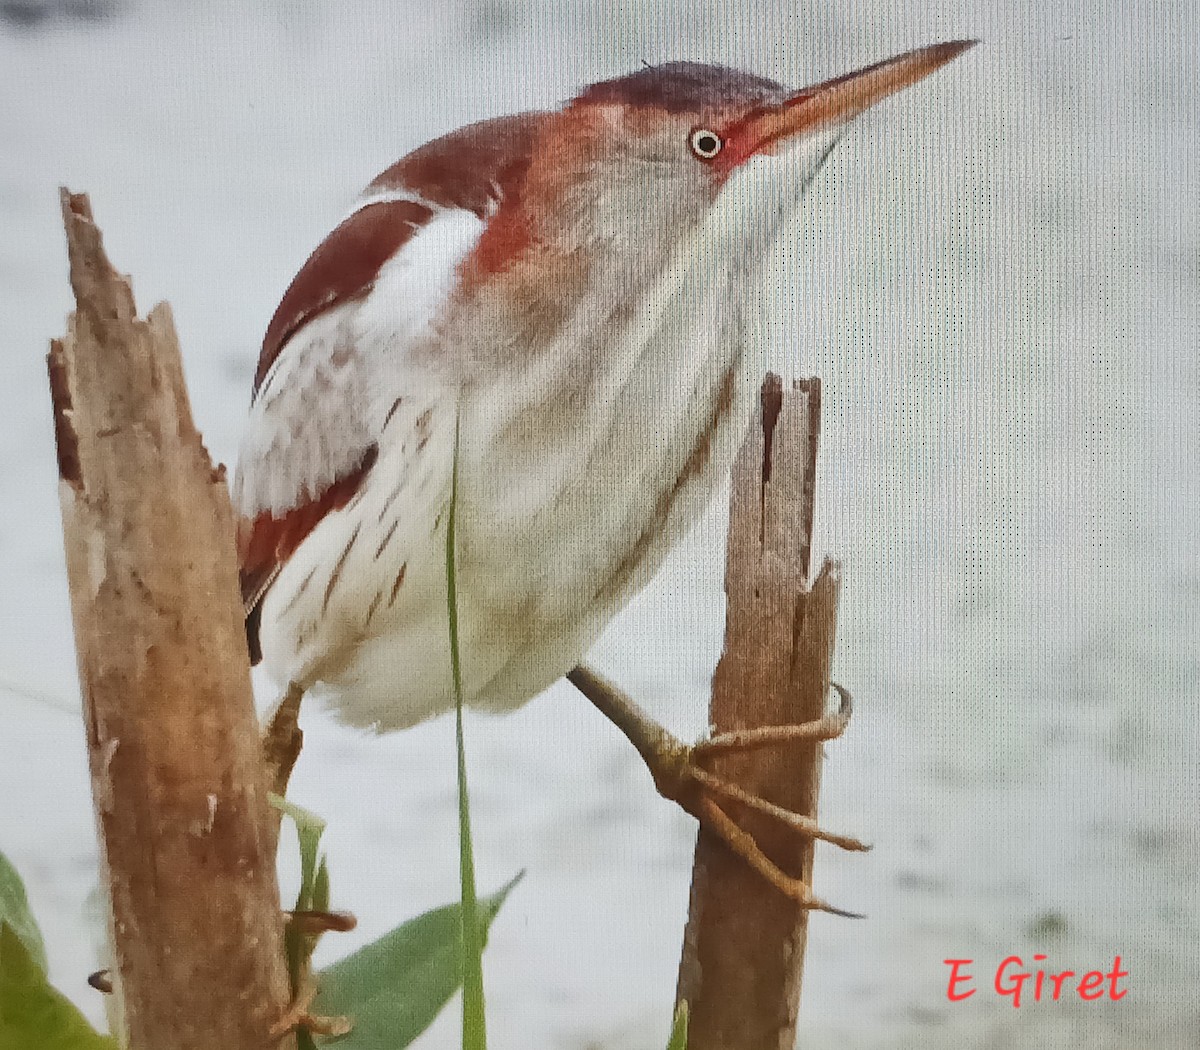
343	332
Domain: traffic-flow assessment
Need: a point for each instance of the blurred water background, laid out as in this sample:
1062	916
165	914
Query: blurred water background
998	279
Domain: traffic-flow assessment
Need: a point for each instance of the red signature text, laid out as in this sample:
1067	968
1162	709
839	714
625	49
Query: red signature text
1015	981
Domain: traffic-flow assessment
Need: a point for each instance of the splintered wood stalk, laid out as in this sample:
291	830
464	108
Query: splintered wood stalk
178	778
743	952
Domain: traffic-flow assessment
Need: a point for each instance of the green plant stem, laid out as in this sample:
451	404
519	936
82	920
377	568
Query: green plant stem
474	1034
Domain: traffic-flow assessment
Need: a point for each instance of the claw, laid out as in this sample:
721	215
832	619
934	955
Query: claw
318	922
680	776
830	727
720	823
797	821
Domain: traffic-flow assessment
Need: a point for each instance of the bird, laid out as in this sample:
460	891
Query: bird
538	323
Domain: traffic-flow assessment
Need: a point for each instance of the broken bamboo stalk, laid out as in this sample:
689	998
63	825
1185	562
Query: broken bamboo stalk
178	778
743	952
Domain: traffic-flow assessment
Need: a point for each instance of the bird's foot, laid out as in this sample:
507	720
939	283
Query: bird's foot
309	925
681	774
299	1016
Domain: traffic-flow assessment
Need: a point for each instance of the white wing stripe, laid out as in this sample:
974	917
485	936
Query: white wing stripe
332	388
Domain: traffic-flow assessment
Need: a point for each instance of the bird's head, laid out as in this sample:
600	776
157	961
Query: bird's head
641	158
595	196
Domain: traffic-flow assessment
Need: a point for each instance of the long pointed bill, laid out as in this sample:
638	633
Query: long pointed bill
827	105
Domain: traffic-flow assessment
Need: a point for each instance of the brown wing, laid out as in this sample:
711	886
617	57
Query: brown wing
343	267
341	270
309	446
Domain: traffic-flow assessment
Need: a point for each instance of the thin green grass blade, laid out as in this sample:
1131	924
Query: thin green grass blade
320	893
474	1030
309	828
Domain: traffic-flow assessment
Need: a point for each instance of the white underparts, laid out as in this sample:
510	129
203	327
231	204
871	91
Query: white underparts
583	459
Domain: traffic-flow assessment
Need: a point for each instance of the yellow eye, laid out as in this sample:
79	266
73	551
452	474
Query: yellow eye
705	144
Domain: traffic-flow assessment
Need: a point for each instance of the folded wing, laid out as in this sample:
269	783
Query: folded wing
335	363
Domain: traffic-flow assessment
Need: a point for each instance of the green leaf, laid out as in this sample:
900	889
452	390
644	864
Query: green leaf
312	896
474	1019
678	1040
33	1015
308	830
14	910
393	988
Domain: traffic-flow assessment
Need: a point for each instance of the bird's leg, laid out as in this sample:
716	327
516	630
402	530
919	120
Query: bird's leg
678	772
281	743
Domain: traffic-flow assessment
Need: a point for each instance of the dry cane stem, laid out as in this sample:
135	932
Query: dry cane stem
744	946
177	770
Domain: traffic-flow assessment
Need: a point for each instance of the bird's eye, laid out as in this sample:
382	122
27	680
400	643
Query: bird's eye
705	144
